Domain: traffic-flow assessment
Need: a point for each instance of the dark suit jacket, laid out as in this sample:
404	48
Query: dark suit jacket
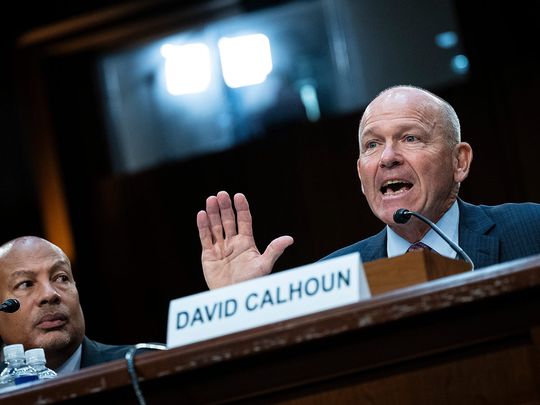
93	353
96	353
488	234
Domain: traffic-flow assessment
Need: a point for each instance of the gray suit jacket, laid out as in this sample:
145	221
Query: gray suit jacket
488	234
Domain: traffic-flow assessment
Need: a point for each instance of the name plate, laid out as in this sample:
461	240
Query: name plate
277	297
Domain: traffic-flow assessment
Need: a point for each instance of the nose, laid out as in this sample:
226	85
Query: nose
49	295
390	157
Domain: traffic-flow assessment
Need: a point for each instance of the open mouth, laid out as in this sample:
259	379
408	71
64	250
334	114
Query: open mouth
394	187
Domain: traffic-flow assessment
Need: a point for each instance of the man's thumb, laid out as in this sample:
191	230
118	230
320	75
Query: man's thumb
276	248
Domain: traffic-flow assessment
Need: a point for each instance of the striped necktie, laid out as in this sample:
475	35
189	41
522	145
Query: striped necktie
418	246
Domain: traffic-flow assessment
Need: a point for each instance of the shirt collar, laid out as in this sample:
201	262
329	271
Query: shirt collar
72	364
449	224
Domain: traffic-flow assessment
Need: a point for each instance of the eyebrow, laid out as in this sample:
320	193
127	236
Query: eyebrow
405	127
21	273
60	263
367	133
31	273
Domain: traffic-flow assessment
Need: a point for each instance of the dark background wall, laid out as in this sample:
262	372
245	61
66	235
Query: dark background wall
135	236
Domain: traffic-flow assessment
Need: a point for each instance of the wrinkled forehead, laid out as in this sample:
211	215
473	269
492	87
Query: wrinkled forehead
401	105
30	254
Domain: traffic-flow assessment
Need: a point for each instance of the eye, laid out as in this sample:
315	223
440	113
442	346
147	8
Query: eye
23	285
371	145
410	138
62	278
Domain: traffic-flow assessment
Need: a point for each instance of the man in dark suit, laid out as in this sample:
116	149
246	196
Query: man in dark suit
411	156
38	274
488	234
94	353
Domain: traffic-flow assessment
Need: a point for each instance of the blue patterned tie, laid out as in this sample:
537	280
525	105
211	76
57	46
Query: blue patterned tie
418	246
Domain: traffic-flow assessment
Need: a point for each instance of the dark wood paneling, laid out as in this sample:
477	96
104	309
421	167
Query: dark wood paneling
468	338
135	236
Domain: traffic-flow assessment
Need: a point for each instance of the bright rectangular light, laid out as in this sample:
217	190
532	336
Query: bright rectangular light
245	60
187	68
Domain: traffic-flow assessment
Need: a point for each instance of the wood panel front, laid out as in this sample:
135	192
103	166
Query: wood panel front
468	338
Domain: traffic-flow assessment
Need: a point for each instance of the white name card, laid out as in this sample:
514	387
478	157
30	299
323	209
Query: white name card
265	300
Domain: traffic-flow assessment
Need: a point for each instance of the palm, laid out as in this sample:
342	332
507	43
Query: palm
229	253
236	259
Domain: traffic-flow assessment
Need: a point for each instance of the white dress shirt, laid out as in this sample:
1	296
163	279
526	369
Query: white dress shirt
72	364
449	224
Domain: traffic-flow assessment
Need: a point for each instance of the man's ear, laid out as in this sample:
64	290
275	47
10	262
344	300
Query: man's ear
463	156
359	175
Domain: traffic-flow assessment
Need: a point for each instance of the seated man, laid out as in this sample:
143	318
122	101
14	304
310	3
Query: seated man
38	274
411	156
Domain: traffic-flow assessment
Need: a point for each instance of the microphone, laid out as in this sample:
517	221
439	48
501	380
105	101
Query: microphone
10	305
403	215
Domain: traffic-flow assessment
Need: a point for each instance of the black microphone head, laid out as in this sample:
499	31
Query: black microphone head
10	305
401	216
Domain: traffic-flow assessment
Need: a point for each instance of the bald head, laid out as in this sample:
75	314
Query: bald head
38	274
27	245
411	157
446	115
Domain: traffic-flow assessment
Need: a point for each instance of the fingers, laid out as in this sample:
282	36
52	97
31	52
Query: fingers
214	219
245	225
220	218
205	234
275	249
227	213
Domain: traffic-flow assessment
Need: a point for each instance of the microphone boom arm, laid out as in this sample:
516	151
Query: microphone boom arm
402	215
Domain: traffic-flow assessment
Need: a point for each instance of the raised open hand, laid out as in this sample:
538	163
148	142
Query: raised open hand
229	253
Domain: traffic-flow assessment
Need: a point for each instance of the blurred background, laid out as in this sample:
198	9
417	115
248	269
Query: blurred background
120	118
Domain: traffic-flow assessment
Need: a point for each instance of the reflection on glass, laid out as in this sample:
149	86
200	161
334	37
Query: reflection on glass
232	80
245	60
460	64
187	68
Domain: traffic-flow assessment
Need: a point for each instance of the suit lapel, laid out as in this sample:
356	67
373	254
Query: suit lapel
90	354
375	247
474	226
474	238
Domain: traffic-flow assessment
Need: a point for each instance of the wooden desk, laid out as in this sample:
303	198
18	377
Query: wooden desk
465	339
